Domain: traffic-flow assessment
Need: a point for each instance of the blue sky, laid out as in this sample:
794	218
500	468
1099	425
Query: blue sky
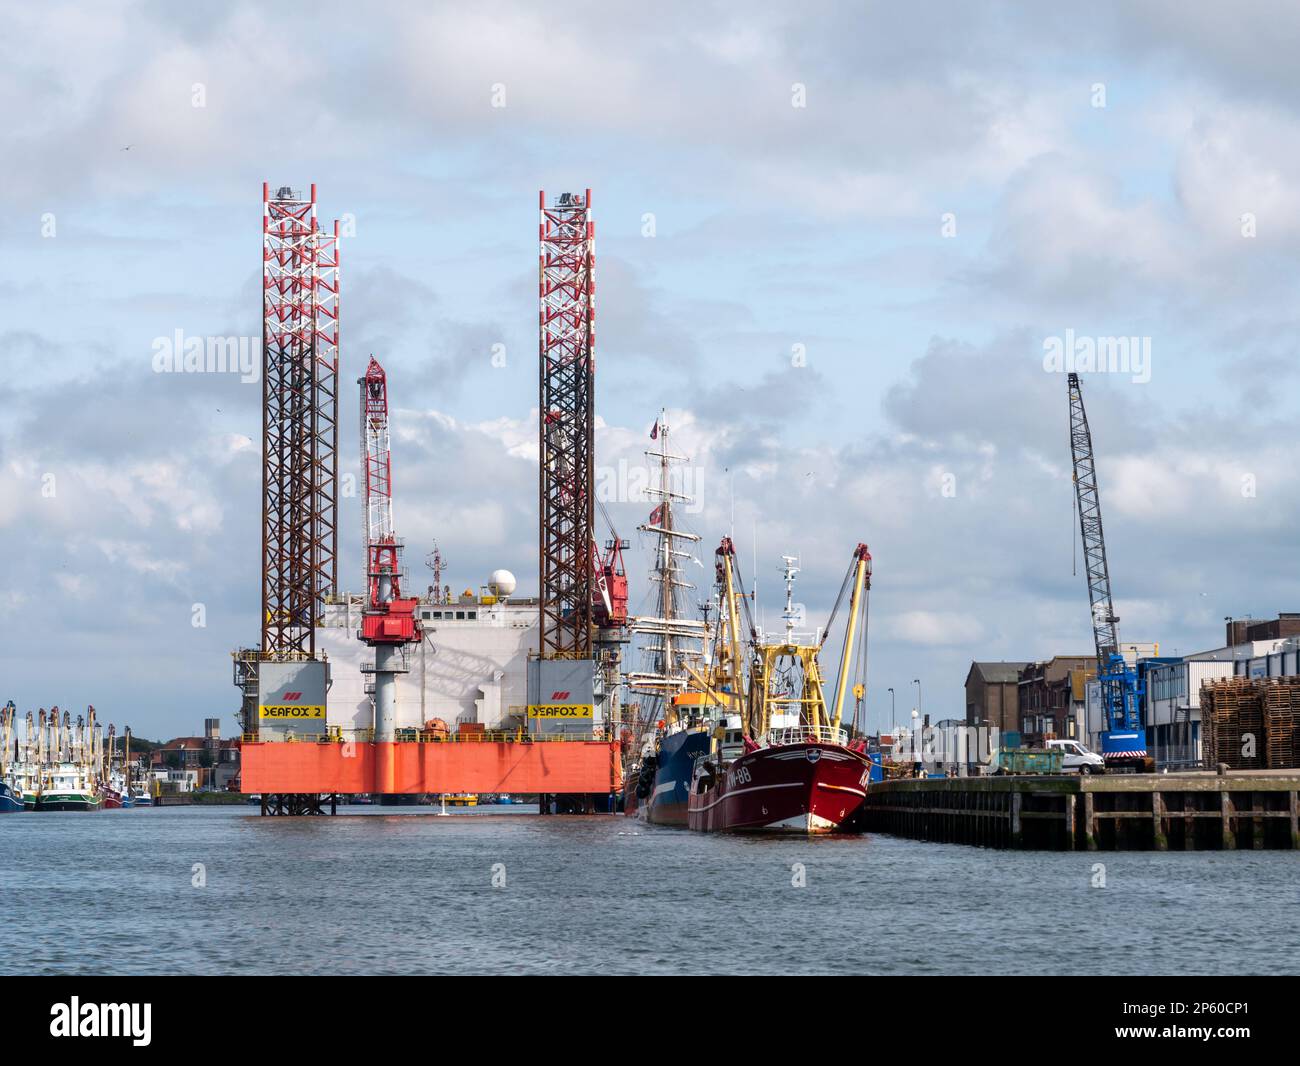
775	226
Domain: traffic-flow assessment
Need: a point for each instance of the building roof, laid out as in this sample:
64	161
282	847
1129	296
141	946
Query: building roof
1057	668
997	673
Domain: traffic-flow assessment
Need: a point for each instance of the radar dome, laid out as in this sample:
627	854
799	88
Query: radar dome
502	582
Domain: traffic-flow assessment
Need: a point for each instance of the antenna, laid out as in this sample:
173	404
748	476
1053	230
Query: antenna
435	562
790	568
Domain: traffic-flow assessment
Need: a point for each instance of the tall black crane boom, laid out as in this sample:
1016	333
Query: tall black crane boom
1105	624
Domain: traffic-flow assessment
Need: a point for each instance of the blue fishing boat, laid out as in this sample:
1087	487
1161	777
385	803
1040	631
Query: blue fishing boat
11	801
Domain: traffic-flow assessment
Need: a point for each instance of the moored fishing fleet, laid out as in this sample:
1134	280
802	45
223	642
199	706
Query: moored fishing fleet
737	730
51	762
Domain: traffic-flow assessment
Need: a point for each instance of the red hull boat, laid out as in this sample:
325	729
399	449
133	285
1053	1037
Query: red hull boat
804	786
788	768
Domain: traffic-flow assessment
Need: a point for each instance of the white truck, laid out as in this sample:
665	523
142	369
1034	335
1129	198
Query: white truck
1076	758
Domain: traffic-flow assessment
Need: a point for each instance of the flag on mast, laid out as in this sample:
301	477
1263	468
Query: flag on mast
654	433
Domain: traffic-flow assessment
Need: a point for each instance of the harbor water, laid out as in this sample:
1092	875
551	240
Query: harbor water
220	890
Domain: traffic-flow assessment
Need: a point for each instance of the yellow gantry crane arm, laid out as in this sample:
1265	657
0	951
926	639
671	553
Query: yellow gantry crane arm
861	577
726	557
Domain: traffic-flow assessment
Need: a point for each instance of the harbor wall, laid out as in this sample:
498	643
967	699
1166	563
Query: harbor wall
1194	811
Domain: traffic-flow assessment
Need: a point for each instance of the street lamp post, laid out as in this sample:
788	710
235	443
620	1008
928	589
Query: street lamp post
916	750
916	713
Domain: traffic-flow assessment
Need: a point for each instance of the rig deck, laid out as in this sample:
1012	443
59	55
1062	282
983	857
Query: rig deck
1121	812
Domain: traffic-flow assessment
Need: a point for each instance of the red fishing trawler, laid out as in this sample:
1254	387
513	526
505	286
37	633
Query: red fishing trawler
802	779
789	766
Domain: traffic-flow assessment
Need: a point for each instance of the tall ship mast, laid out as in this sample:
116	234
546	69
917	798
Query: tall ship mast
676	641
676	715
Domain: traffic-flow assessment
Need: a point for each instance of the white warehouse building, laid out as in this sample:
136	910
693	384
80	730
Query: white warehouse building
1173	692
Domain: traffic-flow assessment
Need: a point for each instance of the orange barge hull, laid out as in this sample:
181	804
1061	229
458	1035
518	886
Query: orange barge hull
398	768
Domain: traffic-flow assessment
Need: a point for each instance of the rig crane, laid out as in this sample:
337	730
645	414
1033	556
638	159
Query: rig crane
1124	738
388	622
609	579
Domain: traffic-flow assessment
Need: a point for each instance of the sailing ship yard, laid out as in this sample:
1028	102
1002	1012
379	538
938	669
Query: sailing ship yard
681	710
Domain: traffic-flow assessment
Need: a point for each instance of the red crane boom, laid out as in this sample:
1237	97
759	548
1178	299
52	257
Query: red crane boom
388	617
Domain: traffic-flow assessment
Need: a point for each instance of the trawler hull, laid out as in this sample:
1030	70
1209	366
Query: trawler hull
11	802
808	788
666	794
68	801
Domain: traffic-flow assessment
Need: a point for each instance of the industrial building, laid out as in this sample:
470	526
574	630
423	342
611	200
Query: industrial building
992	695
1051	697
1173	706
1060	698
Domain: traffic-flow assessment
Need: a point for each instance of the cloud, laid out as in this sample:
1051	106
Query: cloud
922	423
932	628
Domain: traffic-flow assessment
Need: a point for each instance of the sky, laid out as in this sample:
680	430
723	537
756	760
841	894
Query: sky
835	242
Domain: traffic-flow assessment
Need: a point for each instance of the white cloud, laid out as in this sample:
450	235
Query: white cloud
776	224
936	627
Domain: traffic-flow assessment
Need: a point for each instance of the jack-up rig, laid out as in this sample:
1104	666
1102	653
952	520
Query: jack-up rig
292	756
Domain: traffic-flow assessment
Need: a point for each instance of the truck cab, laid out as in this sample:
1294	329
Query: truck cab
1076	758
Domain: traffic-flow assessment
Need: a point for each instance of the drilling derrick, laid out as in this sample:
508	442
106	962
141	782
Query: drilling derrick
388	620
566	416
300	370
284	681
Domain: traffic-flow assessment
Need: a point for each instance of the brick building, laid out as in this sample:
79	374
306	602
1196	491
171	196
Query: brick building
992	695
1051	698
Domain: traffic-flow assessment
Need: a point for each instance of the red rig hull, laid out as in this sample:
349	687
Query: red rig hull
810	787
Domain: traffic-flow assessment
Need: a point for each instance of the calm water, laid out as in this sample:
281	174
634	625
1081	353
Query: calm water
372	892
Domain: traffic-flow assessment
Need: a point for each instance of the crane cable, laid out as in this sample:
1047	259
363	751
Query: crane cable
844	585
744	603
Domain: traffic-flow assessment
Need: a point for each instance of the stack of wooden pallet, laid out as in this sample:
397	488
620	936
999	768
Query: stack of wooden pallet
1226	706
1282	723
1251	723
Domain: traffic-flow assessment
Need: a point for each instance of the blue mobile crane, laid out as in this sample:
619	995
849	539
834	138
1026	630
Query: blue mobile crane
1124	740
